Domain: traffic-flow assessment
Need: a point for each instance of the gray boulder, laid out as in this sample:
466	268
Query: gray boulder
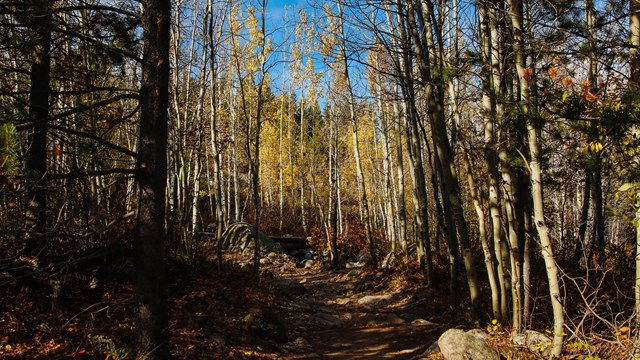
239	237
455	344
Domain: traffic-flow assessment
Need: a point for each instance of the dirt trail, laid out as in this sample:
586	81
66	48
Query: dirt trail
346	314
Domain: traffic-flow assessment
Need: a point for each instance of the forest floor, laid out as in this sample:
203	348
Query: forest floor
289	310
343	313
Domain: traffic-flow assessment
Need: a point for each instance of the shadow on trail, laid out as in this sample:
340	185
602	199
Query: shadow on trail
346	314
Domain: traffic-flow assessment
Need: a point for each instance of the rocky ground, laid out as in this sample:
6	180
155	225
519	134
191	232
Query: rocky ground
349	314
358	313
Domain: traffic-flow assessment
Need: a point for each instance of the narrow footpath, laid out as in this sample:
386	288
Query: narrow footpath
353	314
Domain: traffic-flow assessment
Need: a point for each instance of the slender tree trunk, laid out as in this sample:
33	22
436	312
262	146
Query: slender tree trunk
447	224
364	204
388	209
197	151
426	55
490	83
399	204
150	281
333	189
36	154
237	212
584	218
254	159
482	233
402	211
634	40
535	168
598	216
280	163
420	199
303	138
523	214
598	242
213	128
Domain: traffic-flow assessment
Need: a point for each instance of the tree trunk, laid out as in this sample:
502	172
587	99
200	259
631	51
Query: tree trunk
399	203
388	209
482	233
364	204
535	168
420	199
447	223
149	241
598	241
427	55
584	218
634	39
36	154
280	163
333	189
402	211
213	126
490	87
303	137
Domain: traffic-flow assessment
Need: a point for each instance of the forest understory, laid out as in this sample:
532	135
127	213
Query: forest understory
82	308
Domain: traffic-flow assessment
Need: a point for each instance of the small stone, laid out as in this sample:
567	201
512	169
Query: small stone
343	301
421	322
535	341
354	265
301	342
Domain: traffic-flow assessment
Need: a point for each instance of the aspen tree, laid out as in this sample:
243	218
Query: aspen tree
497	281
400	198
364	204
535	168
416	163
420	20
214	30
